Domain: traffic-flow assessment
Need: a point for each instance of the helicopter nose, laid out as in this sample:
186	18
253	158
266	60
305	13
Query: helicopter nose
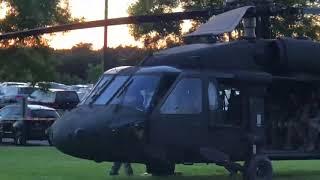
76	141
78	132
61	137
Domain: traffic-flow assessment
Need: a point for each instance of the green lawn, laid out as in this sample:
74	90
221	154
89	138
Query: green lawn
46	163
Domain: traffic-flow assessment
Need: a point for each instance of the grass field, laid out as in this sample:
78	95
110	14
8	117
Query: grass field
46	163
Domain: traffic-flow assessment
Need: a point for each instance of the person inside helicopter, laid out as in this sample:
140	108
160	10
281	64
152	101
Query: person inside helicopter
302	122
140	97
185	99
313	123
292	119
235	105
137	93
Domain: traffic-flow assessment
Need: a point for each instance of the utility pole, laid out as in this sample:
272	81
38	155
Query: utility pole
105	40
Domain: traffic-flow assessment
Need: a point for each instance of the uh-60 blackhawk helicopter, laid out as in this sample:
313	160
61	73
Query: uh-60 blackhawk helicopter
219	103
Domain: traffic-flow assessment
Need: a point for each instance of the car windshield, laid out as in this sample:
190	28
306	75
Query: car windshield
67	96
10	112
43	96
10	90
26	90
102	83
137	93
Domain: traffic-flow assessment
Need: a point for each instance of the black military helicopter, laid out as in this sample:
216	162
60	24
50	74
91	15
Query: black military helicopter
198	103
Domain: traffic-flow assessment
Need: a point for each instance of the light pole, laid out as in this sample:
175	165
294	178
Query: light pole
105	40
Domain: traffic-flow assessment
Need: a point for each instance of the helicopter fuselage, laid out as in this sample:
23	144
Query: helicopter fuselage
190	104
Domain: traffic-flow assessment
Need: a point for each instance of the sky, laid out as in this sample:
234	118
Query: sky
94	10
2	13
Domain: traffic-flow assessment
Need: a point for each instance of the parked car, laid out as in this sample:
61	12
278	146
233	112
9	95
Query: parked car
82	90
81	86
52	85
56	98
33	126
9	94
4	84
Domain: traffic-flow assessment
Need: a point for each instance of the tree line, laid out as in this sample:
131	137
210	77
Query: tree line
31	59
80	64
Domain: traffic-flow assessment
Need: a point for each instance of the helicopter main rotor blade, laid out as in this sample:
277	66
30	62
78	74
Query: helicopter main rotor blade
222	23
111	22
312	11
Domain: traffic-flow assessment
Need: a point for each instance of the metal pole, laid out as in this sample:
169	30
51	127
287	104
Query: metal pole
250	25
105	42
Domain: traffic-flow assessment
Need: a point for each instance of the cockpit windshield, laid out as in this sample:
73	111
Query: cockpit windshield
111	88
101	84
130	93
137	93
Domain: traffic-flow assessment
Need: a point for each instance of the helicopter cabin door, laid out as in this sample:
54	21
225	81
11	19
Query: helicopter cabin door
228	107
179	119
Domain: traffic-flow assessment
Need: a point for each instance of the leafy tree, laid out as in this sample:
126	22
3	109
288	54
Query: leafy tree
297	25
93	73
26	64
75	61
29	59
22	14
68	79
126	55
151	33
155	34
84	63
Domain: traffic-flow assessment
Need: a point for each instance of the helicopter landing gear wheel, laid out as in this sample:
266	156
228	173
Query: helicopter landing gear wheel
160	168
258	168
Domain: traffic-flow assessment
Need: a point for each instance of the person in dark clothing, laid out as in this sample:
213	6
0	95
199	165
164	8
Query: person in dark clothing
235	108
116	167
292	120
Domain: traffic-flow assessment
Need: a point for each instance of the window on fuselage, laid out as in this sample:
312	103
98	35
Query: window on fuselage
212	96
138	93
109	91
186	98
230	106
166	82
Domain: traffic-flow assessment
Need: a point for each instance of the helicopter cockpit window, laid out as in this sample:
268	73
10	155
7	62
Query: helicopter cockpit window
186	98
110	90
97	88
137	93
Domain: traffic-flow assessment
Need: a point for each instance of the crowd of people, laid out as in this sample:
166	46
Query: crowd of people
303	121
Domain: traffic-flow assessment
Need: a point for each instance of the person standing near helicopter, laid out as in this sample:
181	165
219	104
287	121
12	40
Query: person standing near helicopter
116	167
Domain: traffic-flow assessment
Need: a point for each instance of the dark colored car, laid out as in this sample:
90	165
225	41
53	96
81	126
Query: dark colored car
10	94
33	126
57	99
